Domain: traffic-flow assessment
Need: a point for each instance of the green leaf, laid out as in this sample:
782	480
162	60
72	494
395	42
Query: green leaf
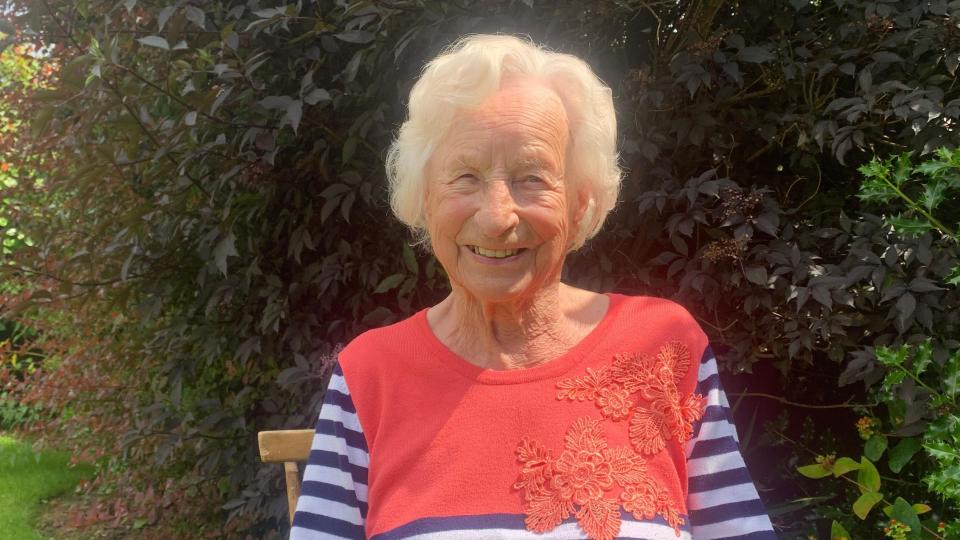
317	95
865	79
933	168
355	36
922	358
905	306
756	274
837	532
347	204
954	278
269	13
902	169
951	375
844	465
43	115
866	501
756	55
904	513
887	57
7	27
942	451
890	357
295	113
226	247
221	97
900	454
334	190
894	378
921	508
814	471
876	191
377	316
909	225
934	193
952	61
155	41
875	168
196	16
867	476
875	447
410	259
390	282
896	407
164	16
328	207
349	147
275	102
923	285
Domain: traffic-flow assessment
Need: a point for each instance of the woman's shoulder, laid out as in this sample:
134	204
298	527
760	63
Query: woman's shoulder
625	304
370	349
656	306
646	318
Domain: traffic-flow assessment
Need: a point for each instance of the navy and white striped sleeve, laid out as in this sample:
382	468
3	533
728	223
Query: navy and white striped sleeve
722	501
333	496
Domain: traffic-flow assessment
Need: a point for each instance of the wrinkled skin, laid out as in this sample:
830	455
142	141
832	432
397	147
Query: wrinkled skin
497	183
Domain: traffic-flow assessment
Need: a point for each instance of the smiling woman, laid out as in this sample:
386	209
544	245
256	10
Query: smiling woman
498	212
520	406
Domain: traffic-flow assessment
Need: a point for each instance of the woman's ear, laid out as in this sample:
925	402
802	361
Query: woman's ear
581	204
578	211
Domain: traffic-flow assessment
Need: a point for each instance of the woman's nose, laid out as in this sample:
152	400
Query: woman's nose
498	211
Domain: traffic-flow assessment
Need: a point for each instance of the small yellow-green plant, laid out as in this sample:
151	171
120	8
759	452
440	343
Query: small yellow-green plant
931	388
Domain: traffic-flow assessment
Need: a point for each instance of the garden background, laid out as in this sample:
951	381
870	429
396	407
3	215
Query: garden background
194	219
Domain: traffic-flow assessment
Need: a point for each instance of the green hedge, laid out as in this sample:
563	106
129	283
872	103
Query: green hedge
213	224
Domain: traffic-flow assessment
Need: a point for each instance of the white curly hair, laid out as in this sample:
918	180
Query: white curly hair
471	70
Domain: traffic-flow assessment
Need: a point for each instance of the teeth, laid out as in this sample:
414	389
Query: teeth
495	253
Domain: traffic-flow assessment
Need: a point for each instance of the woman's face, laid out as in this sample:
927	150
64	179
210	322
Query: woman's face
498	211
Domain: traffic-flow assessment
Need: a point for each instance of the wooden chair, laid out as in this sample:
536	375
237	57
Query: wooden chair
288	447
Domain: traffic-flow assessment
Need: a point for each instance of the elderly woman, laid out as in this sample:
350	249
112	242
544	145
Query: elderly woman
520	406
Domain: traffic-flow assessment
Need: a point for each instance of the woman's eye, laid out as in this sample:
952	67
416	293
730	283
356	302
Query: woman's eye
533	181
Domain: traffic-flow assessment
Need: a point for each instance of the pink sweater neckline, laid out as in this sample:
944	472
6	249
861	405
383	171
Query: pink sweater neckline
454	362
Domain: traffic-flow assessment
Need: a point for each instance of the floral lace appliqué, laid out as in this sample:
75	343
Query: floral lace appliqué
644	391
578	480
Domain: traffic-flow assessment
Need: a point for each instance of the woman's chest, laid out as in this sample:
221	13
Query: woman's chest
509	463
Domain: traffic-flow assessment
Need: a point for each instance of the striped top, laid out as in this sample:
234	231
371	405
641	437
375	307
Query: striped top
414	442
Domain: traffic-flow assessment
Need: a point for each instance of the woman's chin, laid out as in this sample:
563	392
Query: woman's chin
501	291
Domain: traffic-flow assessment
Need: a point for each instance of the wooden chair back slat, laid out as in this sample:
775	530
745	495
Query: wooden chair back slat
288	447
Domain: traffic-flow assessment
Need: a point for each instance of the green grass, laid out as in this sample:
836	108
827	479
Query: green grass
26	480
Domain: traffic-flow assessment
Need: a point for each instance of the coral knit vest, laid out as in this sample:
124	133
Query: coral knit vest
594	435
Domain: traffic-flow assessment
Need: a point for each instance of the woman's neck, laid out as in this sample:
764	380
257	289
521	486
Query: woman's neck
515	335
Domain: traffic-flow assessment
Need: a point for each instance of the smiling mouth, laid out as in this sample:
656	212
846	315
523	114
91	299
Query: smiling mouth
495	253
